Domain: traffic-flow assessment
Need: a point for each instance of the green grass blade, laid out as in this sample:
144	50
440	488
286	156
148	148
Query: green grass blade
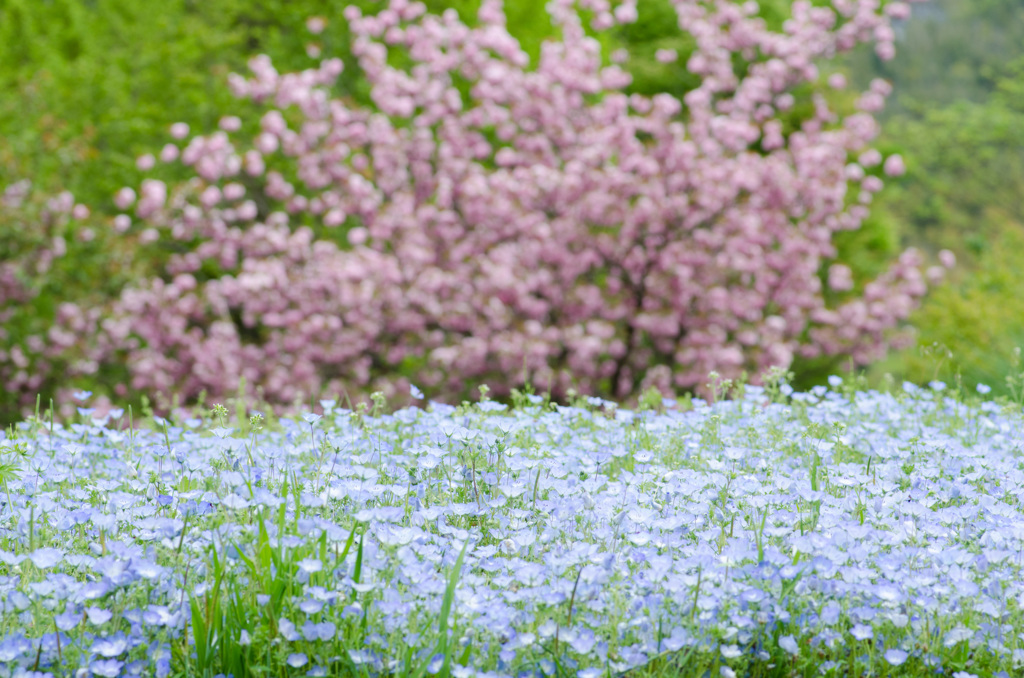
358	571
199	633
446	609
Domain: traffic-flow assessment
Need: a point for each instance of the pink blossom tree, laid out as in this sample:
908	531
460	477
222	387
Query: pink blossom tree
491	222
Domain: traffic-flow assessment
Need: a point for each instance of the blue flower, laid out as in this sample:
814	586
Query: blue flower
789	644
45	558
112	646
862	632
98	616
895	656
287	629
108	668
324	631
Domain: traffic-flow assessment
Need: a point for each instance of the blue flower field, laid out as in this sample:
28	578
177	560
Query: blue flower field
840	532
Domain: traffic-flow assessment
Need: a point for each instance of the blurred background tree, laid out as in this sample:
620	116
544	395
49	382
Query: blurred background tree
957	116
91	86
950	51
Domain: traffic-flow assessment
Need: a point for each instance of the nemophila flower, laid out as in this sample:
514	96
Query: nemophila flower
310	565
113	646
98	617
107	668
18	600
862	632
45	558
789	644
160	615
436	662
323	631
311	606
957	635
895	656
287	629
67	620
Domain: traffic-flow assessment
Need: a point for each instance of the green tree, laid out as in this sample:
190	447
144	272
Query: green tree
958	120
949	51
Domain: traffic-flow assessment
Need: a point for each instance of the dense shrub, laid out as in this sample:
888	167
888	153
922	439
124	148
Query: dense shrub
88	87
89	91
496	223
35	240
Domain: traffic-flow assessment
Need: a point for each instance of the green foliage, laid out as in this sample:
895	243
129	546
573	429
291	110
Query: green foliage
969	330
47	259
91	86
957	117
1010	90
965	176
949	51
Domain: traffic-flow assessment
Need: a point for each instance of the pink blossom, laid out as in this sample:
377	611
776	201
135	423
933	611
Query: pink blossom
316	24
870	158
666	56
626	12
894	166
169	153
840	277
537	224
897	10
124	198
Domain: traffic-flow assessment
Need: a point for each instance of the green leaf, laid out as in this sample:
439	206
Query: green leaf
198	632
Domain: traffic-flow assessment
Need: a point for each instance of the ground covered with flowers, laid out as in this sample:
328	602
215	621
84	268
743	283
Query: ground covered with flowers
838	532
